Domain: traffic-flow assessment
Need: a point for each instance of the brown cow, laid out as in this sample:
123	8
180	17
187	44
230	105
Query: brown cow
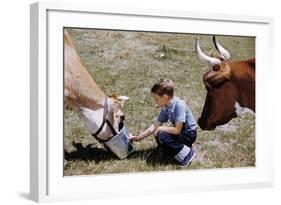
101	114
230	88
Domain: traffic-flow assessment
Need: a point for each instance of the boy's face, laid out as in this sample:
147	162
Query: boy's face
161	100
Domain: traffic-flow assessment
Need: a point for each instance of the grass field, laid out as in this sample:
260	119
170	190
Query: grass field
129	63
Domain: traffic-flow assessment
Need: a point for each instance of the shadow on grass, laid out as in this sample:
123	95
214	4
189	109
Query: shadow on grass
88	153
153	157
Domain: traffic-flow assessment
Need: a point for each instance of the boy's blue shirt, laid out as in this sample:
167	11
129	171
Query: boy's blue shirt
178	111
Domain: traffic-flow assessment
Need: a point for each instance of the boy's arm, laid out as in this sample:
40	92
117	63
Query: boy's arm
172	130
180	116
147	132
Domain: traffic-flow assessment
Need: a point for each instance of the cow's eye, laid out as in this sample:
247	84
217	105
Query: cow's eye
117	103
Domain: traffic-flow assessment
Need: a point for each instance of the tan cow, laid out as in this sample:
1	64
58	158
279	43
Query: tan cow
101	114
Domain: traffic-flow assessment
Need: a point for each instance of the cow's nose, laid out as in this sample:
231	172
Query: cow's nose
201	123
122	117
205	125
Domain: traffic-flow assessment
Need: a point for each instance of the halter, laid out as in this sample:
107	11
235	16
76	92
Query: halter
104	120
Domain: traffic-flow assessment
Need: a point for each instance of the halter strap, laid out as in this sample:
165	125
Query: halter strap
104	120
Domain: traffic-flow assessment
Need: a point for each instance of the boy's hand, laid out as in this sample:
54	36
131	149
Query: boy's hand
134	138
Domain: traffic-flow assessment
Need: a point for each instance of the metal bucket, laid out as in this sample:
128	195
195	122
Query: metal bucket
120	144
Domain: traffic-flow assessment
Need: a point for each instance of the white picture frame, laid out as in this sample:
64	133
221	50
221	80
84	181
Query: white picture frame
47	182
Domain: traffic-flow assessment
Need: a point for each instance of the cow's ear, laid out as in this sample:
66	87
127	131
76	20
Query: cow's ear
214	79
123	98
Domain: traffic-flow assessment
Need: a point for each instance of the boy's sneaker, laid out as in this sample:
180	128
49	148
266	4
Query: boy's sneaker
187	160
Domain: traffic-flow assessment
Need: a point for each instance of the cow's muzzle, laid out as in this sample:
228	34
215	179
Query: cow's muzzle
204	126
121	124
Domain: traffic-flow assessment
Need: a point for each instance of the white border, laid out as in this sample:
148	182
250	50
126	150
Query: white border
47	181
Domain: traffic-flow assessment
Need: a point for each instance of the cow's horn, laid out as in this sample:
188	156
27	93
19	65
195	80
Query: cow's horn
225	54
210	60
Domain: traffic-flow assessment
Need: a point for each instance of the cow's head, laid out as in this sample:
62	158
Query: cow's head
115	114
219	107
112	111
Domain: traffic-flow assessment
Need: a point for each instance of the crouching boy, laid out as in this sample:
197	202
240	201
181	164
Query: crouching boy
175	140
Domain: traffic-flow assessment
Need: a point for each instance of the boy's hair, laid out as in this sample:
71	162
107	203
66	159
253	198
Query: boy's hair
163	87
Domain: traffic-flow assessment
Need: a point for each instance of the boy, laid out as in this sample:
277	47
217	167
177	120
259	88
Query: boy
177	140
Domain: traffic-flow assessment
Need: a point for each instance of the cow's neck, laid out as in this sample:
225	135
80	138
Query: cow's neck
79	84
245	93
243	78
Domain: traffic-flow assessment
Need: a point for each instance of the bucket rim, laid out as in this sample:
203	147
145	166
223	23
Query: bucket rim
119	133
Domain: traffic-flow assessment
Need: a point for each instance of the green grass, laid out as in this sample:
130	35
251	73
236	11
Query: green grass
129	63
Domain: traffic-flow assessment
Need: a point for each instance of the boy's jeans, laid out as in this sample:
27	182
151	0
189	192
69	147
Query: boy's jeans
172	144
